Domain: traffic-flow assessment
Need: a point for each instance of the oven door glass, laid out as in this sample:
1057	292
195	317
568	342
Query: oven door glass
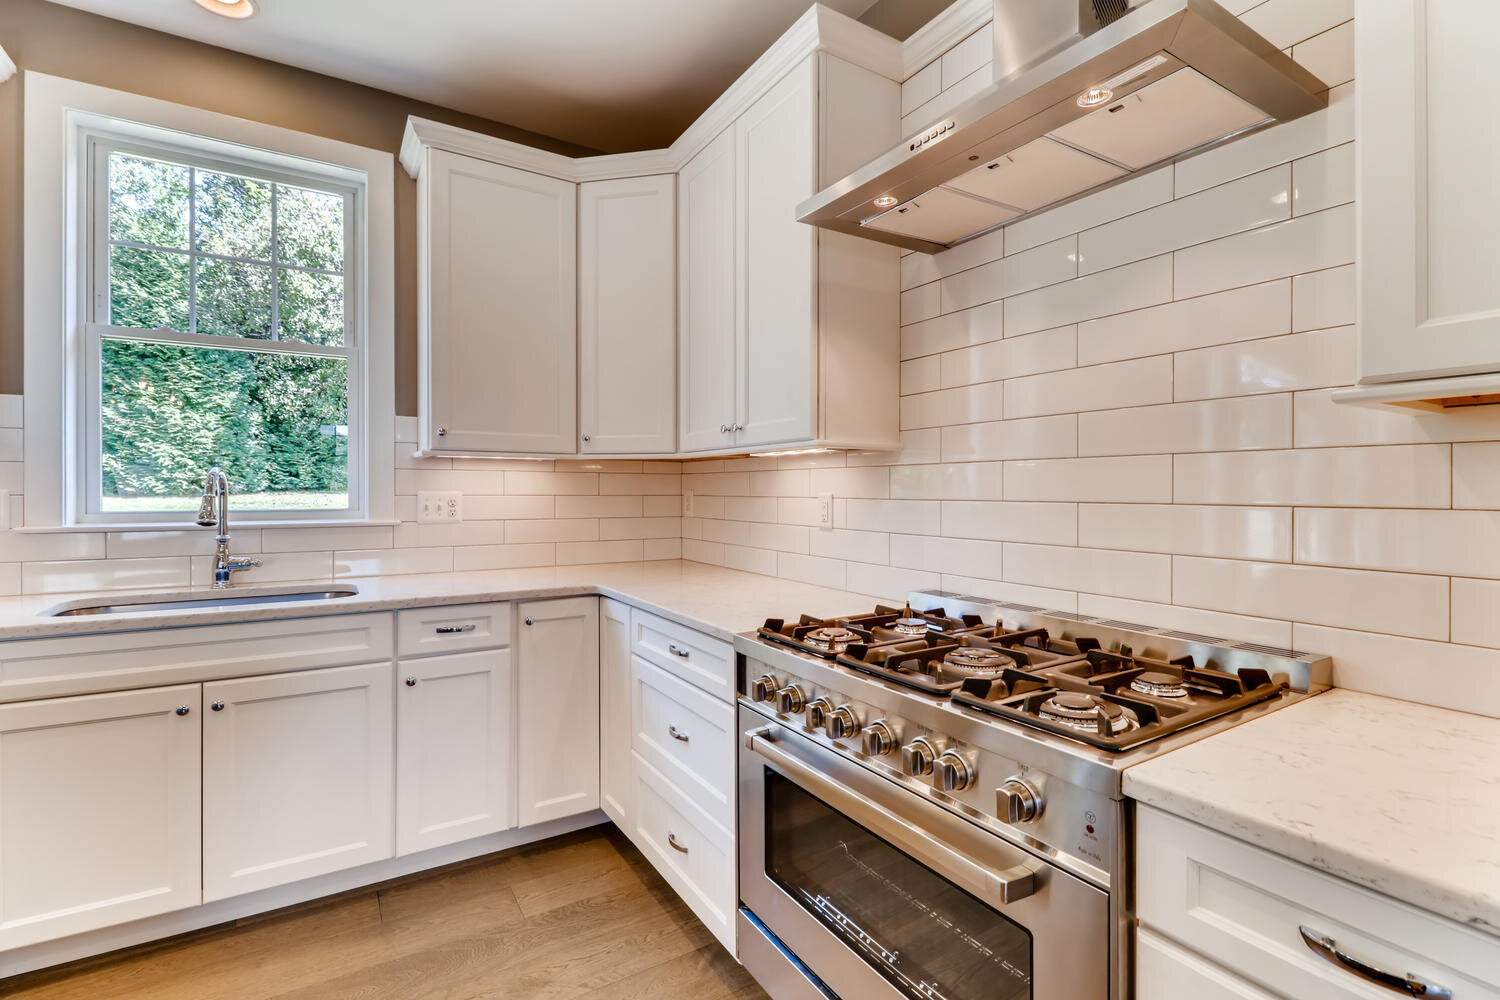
929	938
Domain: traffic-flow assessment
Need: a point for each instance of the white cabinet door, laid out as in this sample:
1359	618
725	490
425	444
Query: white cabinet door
296	776
498	308
1428	151
706	310
627	316
100	811
1163	971
557	726
776	323
454	768
616	776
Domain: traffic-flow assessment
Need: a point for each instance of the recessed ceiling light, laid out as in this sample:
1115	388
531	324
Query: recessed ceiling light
237	9
885	201
1091	98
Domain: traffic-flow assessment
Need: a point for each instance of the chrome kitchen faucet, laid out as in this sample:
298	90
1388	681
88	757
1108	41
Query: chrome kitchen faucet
213	512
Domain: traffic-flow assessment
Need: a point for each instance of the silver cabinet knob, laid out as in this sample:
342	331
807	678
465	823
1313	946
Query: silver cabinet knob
586	439
951	773
442	432
764	687
723	428
917	757
1019	801
817	712
217	706
182	710
841	723
790	700
411	682
878	740
531	621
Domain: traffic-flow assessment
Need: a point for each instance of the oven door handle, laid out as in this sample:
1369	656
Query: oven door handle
994	887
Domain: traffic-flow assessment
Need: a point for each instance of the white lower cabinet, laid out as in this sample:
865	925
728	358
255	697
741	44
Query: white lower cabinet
454	764
557	715
99	811
687	735
297	776
1164	971
615	773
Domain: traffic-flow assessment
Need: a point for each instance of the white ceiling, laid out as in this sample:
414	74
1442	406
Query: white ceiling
613	75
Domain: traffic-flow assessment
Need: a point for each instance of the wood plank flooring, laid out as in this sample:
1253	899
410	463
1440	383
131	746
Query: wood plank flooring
582	916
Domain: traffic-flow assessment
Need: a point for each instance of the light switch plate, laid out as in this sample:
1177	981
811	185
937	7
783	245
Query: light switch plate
687	503
825	510
440	508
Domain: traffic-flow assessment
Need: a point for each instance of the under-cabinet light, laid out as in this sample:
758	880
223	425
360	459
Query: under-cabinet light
237	9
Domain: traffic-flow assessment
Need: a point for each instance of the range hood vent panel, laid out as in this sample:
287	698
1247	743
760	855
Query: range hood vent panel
1181	76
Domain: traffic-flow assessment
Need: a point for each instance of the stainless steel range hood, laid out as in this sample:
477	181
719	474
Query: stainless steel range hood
1087	93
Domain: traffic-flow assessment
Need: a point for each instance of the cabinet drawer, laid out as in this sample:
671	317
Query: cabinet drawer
1163	971
684	652
692	852
452	629
687	735
41	668
1244	905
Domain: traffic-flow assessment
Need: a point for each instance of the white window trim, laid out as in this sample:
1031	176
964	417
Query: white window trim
60	116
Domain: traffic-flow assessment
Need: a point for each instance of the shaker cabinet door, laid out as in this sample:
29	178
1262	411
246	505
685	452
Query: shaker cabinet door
616	775
498	309
706	297
557	717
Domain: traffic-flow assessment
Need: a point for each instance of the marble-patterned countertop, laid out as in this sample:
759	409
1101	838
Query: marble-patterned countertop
712	599
1399	797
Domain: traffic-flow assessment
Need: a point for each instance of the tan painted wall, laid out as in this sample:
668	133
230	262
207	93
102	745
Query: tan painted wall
64	42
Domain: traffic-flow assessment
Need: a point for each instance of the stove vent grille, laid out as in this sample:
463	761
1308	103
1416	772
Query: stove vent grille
1128	626
1211	640
1109	11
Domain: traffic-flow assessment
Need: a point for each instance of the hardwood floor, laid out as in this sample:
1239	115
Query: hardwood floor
582	916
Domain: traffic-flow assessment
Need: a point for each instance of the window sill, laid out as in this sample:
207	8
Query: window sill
237	522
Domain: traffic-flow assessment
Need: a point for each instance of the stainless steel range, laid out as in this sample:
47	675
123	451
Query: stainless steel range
930	797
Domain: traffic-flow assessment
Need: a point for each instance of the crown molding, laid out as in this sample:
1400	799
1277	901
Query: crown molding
953	25
7	66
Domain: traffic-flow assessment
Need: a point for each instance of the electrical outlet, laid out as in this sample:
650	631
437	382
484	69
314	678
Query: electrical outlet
440	508
687	503
825	510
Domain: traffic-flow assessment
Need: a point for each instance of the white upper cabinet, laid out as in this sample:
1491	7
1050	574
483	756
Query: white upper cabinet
497	308
1428	153
706	283
627	316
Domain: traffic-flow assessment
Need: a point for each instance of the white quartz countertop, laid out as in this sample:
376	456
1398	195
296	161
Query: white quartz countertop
711	599
1399	797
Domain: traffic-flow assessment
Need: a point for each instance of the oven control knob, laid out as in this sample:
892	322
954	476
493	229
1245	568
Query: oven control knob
790	700
1019	801
917	757
951	773
842	723
817	712
878	739
764	688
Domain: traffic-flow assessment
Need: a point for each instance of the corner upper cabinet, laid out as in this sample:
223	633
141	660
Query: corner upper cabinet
1428	149
497	307
627	316
790	335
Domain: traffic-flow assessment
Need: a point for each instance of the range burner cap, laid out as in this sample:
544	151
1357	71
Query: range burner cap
910	626
1083	712
1160	685
833	638
975	661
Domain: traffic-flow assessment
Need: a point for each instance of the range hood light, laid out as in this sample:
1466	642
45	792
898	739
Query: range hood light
885	201
1095	96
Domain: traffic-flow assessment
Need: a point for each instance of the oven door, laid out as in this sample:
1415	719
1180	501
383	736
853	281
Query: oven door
884	895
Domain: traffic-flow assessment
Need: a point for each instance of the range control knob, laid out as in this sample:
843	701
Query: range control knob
790	700
1019	801
951	773
878	739
764	688
817	712
842	723
917	757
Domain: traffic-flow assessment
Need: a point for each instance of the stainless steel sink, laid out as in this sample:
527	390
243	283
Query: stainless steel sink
142	603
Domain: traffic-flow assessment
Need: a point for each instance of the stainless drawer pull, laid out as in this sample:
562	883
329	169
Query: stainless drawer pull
453	629
676	735
672	839
1325	947
672	648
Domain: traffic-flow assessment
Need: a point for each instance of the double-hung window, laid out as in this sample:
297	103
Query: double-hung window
214	292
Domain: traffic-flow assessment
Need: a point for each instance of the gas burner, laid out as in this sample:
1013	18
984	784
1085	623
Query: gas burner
833	638
910	624
976	661
1085	713
1161	685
